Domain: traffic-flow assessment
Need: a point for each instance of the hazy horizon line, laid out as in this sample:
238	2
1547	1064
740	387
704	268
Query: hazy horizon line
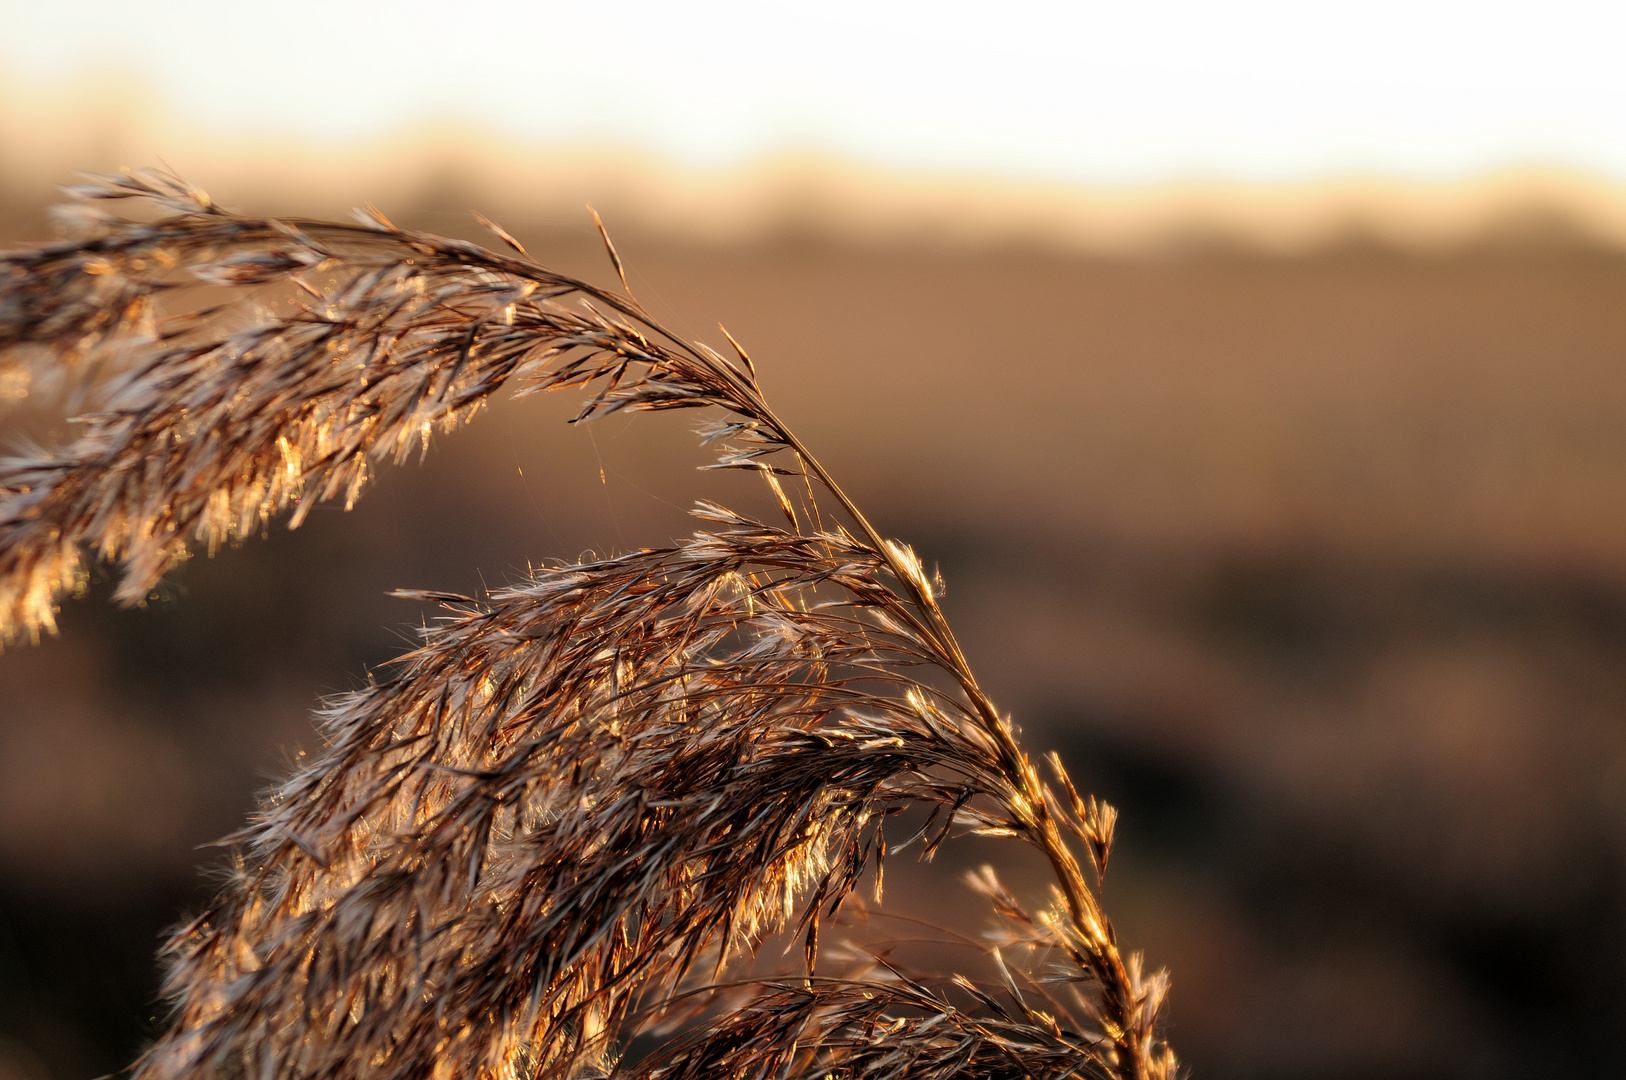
105	124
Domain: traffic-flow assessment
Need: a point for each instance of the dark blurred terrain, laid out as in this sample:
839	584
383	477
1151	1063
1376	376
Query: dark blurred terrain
1315	566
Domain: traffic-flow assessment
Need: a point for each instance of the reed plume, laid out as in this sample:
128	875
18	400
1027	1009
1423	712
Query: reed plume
574	813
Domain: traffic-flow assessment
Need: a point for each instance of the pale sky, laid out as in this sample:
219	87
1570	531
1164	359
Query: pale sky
1085	91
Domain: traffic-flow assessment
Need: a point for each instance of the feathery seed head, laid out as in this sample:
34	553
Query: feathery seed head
576	810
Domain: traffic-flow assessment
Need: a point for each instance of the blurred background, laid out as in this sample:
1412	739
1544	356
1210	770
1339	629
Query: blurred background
1253	373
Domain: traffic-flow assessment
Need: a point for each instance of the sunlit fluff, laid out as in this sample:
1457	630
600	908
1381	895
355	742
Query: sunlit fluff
571	816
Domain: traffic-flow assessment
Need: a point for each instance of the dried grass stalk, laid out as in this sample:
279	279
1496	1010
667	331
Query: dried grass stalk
561	821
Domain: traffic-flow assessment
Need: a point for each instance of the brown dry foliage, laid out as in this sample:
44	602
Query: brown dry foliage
573	814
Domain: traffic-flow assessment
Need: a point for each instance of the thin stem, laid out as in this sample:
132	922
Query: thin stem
1032	810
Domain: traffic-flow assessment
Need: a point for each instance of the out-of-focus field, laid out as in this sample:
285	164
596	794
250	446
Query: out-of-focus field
1313	563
